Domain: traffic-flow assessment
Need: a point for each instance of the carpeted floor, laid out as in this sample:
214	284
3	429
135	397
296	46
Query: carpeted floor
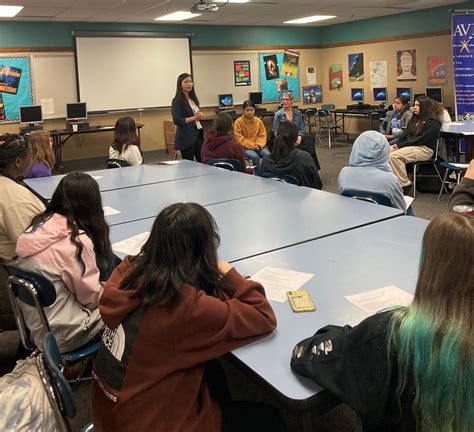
339	418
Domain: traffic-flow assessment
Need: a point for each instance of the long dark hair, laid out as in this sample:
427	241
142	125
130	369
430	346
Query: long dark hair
77	198
417	121
12	147
285	140
181	249
125	134
179	91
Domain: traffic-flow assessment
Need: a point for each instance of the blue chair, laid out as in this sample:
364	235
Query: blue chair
372	197
226	163
457	168
37	291
286	178
116	163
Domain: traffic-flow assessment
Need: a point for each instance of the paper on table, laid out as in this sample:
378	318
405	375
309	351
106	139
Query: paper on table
132	245
97	177
277	282
375	300
408	200
109	211
173	162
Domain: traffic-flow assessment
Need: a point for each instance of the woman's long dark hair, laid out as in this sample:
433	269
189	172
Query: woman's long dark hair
179	91
181	249
77	198
417	121
125	134
285	140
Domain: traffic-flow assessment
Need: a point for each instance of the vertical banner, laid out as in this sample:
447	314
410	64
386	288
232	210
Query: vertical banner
463	62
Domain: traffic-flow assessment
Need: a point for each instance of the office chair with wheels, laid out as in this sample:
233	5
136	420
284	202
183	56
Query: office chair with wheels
116	163
38	292
226	163
285	178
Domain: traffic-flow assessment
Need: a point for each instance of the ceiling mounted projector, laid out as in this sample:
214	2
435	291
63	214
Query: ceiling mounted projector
203	6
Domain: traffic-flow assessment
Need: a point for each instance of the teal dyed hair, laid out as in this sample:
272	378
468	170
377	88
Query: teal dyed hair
433	338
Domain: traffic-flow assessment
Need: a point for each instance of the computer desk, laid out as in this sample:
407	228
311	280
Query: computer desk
120	178
61	136
259	224
362	259
147	201
343	112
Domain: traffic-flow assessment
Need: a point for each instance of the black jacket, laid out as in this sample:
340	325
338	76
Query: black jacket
354	365
298	163
186	134
463	193
428	136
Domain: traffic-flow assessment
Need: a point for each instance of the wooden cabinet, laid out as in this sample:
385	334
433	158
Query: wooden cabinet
170	132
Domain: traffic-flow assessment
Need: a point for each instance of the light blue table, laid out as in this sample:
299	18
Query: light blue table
375	256
259	224
112	179
148	200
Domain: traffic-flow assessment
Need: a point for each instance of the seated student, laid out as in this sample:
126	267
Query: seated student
418	141
285	158
43	155
409	368
463	193
219	143
169	310
18	206
369	170
126	144
396	121
250	133
69	244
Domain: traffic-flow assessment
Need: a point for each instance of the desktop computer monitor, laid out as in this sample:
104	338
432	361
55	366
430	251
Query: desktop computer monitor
256	97
435	93
357	94
31	114
226	101
380	94
282	92
76	111
404	91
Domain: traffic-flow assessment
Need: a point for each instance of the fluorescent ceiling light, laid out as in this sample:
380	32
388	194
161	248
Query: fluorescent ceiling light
310	19
9	11
177	16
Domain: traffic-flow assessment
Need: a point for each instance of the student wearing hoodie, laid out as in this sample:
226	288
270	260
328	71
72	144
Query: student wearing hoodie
170	310
219	143
286	159
69	244
369	170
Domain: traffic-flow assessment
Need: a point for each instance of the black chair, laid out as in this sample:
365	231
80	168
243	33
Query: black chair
116	163
433	162
310	119
38	292
372	197
226	163
285	178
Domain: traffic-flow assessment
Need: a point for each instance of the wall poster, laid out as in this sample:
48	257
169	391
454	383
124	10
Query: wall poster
242	73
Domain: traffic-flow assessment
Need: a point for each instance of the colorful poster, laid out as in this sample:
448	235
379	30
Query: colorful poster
242	73
272	81
311	75
463	61
290	64
15	86
356	67
437	70
378	74
406	65
312	94
335	77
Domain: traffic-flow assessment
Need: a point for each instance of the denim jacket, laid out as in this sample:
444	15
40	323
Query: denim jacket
280	117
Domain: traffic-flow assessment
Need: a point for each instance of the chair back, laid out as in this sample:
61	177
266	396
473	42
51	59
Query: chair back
116	163
58	389
372	197
285	178
34	290
328	107
226	163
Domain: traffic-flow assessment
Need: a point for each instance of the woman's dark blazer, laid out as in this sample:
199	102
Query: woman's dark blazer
186	134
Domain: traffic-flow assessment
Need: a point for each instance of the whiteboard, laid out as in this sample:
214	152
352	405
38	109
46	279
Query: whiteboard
119	73
213	73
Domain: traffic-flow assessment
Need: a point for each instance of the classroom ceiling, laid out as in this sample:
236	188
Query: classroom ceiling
256	12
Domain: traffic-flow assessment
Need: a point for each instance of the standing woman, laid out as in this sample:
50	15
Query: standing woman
186	117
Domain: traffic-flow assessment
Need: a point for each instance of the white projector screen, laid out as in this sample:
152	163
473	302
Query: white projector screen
120	73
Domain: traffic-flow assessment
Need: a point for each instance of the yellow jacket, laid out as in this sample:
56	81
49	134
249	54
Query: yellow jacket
250	132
